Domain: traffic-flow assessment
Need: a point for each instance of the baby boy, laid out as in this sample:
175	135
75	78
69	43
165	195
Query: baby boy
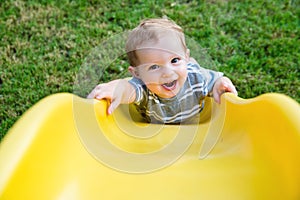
168	86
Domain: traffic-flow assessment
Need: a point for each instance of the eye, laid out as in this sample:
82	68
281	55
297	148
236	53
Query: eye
153	67
175	60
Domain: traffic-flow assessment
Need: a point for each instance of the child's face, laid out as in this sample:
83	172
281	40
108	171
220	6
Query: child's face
162	66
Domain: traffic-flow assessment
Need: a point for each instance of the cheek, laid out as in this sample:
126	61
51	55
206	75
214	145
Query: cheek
183	73
149	79
183	77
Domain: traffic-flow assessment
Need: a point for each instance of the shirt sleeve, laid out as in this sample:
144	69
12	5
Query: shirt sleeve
209	76
211	79
139	91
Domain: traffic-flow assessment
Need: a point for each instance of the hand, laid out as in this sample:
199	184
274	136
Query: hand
117	92
221	86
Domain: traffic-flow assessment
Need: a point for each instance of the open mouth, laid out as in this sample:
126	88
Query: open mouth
170	85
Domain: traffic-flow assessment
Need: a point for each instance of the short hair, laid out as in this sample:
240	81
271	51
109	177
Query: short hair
150	30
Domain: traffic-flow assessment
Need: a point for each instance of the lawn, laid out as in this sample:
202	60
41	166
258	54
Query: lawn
46	45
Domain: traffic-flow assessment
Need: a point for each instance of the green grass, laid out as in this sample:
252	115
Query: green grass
44	44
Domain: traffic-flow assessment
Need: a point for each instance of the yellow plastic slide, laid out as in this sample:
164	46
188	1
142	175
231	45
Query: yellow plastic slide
66	147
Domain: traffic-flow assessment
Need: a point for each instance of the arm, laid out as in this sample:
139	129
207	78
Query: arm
118	92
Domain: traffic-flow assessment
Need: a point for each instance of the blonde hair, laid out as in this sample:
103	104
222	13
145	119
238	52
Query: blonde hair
150	30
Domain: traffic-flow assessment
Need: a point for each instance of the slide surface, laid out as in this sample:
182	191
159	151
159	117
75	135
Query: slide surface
66	147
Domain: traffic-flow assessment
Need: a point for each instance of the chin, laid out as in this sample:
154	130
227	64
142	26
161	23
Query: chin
167	96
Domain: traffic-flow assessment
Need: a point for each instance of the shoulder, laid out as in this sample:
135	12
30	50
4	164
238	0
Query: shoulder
193	67
140	89
195	73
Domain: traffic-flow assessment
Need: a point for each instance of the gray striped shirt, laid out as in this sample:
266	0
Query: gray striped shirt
184	106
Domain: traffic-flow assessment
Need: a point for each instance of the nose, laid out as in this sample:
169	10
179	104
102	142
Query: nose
167	72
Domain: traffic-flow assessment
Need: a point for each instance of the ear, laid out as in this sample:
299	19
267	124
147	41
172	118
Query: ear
187	55
133	71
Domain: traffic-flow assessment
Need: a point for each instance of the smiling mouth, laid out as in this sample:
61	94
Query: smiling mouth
170	85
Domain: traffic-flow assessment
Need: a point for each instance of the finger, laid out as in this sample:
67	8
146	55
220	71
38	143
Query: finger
91	95
101	93
113	105
217	93
227	86
94	92
216	96
230	88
